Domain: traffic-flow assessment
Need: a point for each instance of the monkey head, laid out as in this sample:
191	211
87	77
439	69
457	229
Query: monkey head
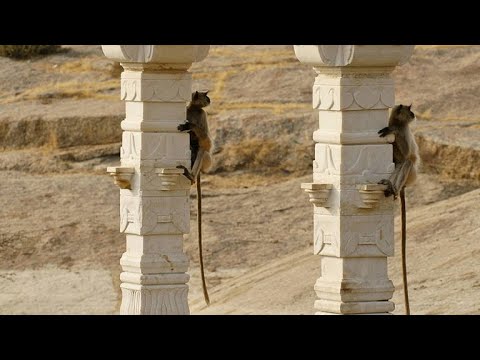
200	99
402	114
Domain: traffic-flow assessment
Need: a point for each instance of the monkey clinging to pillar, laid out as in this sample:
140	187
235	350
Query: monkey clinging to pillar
406	159
200	147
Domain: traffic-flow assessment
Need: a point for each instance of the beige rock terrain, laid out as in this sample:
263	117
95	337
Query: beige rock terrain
59	129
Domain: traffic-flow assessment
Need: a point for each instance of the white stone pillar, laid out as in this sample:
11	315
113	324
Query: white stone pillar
154	195
353	221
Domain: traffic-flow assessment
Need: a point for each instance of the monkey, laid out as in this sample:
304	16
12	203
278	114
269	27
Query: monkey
406	159
201	160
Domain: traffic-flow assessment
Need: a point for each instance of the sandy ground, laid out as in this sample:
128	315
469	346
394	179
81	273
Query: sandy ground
55	291
59	129
261	257
443	257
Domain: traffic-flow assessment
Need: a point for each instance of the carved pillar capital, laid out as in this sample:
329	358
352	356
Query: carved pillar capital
156	57
354	55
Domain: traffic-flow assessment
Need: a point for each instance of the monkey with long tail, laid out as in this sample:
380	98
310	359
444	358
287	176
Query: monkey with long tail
201	160
406	159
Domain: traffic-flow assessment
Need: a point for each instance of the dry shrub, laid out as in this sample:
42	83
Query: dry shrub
251	154
28	51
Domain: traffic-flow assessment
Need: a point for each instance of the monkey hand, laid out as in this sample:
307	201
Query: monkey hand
184	127
390	190
385	131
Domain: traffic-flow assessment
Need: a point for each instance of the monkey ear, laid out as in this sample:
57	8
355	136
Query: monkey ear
206	92
409	106
195	96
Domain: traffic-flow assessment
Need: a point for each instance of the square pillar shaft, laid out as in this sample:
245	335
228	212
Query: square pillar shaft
353	221
154	195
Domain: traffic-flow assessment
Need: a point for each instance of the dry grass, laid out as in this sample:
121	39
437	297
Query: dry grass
70	89
429	47
252	154
254	55
428	116
275	108
86	64
239	179
254	67
219	86
89	64
29	51
250	61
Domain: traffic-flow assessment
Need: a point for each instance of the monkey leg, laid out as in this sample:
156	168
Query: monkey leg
197	165
207	161
389	191
202	136
402	175
186	173
412	176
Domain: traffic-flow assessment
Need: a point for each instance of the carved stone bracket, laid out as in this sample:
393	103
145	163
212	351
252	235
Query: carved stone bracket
318	193
173	179
370	194
122	175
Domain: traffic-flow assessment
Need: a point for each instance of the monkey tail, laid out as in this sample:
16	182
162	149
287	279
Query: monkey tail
200	249
404	252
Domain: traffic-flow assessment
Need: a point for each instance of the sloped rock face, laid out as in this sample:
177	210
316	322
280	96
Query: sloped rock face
61	132
261	117
450	148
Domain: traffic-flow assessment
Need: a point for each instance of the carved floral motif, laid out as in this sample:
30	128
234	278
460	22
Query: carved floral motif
164	300
355	160
175	90
329	97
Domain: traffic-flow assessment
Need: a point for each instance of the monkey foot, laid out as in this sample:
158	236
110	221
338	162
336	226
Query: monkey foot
390	188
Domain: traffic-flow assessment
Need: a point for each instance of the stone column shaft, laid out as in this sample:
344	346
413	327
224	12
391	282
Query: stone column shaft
154	195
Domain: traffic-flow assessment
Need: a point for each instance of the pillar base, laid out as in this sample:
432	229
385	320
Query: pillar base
361	307
354	290
154	299
327	313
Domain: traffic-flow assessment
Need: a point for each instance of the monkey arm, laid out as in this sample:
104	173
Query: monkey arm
184	127
200	133
387	131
